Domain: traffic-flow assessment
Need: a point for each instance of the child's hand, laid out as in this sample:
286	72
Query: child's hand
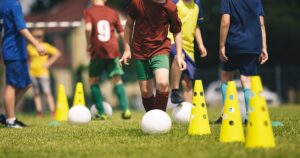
181	63
41	50
222	55
264	56
203	51
125	58
46	65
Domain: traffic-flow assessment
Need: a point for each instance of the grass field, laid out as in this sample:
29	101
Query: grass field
118	138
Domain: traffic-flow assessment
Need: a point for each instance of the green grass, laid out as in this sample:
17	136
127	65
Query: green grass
118	138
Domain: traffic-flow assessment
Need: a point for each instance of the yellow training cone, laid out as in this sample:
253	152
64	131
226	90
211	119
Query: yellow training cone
62	105
232	127
199	124
79	95
259	127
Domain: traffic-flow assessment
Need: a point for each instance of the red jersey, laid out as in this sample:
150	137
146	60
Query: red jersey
105	20
152	23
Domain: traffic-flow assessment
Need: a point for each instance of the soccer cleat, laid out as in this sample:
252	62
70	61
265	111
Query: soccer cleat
100	117
16	124
219	120
2	119
126	115
176	97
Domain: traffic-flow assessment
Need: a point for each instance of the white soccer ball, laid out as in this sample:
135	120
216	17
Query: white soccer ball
79	115
107	109
182	113
155	122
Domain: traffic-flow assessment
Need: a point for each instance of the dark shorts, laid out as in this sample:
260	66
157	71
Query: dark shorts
110	66
17	74
247	64
190	64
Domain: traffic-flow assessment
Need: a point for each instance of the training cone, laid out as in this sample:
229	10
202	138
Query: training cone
79	95
62	105
259	127
199	124
232	127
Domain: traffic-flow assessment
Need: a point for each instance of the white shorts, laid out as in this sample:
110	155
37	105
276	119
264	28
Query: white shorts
42	83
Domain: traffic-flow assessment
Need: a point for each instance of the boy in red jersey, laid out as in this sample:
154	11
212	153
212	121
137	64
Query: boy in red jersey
151	47
101	22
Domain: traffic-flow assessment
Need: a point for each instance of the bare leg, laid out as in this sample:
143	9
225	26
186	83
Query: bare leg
146	88
51	103
175	75
38	104
187	88
9	101
162	86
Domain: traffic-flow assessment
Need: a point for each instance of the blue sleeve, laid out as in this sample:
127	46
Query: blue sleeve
18	17
260	9
225	7
200	14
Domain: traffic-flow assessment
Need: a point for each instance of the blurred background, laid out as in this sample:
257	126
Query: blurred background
63	22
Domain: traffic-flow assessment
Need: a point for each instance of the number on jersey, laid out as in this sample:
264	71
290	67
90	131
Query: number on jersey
103	28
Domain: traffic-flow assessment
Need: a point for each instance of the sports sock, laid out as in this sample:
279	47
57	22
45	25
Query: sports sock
247	92
11	120
148	103
97	97
161	100
120	92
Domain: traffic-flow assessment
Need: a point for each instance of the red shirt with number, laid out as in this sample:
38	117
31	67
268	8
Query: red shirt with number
152	22
105	21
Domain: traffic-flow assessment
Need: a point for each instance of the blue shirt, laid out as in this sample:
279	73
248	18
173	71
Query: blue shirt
244	35
11	23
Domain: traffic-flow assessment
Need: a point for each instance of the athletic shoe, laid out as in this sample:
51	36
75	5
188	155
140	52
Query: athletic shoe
176	97
126	115
16	124
2	119
101	117
219	120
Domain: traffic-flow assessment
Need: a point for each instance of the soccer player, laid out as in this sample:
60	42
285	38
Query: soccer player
14	55
151	47
191	14
39	71
242	43
101	23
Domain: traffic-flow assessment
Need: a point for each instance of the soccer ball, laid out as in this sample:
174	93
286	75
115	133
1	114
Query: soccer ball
79	115
156	122
107	109
182	113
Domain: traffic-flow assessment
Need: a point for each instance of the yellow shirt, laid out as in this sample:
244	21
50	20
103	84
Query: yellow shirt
189	14
37	62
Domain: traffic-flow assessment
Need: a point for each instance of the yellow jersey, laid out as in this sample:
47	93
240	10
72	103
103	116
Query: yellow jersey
191	15
36	65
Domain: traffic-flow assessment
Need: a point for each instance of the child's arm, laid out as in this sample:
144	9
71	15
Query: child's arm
264	55
41	50
52	59
199	40
225	22
178	44
127	39
88	35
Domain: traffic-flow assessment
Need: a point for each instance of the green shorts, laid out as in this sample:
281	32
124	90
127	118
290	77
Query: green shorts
110	66
145	68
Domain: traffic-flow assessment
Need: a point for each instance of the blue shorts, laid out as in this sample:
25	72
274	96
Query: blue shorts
247	64
17	74
190	64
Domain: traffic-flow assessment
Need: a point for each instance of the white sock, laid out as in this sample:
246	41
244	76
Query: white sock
11	120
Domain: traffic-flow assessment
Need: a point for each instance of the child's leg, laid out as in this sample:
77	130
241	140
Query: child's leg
119	90
146	88
162	88
45	83
37	97
96	94
10	101
187	88
246	82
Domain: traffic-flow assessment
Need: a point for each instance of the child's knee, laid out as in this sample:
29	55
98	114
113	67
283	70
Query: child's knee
162	85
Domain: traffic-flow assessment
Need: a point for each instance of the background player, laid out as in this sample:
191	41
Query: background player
15	57
101	22
151	47
242	43
39	71
191	14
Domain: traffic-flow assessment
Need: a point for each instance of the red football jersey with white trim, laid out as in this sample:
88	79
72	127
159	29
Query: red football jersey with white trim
105	21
